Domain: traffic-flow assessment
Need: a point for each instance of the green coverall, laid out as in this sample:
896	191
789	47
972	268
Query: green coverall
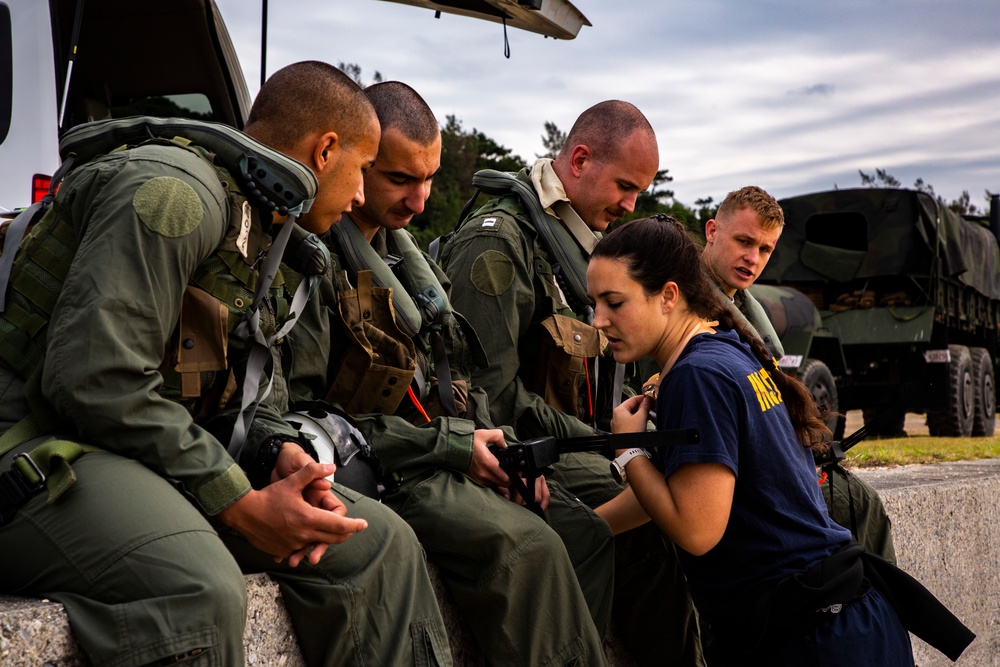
131	548
502	280
508	570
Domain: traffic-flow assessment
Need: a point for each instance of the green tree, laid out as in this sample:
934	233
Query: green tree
963	205
881	179
553	140
353	70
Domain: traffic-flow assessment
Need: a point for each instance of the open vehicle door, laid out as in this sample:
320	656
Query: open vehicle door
552	18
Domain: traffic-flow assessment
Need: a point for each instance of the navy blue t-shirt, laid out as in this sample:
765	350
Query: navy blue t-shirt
778	524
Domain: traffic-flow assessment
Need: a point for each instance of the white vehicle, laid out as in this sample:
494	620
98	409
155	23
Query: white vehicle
116	58
66	62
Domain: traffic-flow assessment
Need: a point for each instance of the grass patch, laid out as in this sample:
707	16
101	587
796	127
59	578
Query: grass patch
921	449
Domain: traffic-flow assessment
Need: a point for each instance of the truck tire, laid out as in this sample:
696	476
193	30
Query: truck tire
956	421
818	379
891	427
985	398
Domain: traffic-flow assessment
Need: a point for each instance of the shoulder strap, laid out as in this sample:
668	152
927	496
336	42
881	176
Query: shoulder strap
260	363
570	267
271	180
413	312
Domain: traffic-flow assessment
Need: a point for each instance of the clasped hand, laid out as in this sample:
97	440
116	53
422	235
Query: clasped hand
295	516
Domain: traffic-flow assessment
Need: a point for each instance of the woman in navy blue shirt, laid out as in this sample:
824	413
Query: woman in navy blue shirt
776	582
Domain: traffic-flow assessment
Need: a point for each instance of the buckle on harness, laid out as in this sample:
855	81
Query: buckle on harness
15	490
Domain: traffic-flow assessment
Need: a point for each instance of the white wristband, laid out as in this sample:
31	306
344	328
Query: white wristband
618	465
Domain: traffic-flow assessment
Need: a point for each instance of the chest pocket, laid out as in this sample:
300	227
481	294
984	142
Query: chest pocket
195	363
558	368
377	360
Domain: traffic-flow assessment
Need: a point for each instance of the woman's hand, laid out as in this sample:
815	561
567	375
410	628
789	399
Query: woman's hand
632	415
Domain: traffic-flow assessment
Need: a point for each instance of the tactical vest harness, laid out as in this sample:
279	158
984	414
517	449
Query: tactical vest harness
565	254
423	309
226	289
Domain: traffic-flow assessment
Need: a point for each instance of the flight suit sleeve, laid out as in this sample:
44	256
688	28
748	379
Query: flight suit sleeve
146	219
489	262
445	442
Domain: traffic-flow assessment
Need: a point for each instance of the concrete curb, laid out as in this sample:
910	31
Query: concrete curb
944	518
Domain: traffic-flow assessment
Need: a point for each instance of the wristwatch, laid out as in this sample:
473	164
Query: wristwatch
618	465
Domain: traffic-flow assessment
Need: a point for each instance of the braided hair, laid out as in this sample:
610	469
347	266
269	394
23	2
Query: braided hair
658	250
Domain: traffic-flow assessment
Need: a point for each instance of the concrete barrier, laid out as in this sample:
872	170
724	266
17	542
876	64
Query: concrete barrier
945	519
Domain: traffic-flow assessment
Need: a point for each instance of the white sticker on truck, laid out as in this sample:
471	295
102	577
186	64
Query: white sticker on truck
937	356
790	361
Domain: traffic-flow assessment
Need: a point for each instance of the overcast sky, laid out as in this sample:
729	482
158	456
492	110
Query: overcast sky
790	95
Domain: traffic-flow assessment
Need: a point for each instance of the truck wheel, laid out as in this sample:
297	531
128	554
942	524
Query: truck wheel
891	427
956	421
985	397
818	379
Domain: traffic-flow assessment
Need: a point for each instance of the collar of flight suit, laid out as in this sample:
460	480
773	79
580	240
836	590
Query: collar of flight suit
552	196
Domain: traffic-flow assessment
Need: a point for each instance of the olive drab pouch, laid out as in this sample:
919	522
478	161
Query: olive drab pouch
195	368
563	346
377	361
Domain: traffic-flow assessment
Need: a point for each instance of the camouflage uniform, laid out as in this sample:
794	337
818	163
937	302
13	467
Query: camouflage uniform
851	501
502	279
508	569
131	548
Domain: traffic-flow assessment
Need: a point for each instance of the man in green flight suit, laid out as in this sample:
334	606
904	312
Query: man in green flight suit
739	241
520	278
136	282
386	306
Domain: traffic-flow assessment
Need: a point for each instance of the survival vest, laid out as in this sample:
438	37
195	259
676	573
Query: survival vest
223	295
418	310
555	353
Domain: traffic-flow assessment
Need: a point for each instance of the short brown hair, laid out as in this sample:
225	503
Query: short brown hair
756	199
604	127
306	97
401	107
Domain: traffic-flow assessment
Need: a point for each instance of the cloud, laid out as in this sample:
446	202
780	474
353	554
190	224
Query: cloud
779	92
822	89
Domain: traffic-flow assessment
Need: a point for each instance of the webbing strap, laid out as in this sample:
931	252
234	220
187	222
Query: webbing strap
618	386
22	431
260	362
46	466
49	464
443	371
583	234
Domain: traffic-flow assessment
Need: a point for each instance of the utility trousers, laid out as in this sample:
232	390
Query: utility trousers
533	594
144	577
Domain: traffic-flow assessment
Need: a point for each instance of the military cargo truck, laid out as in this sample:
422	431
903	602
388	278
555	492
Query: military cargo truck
907	298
